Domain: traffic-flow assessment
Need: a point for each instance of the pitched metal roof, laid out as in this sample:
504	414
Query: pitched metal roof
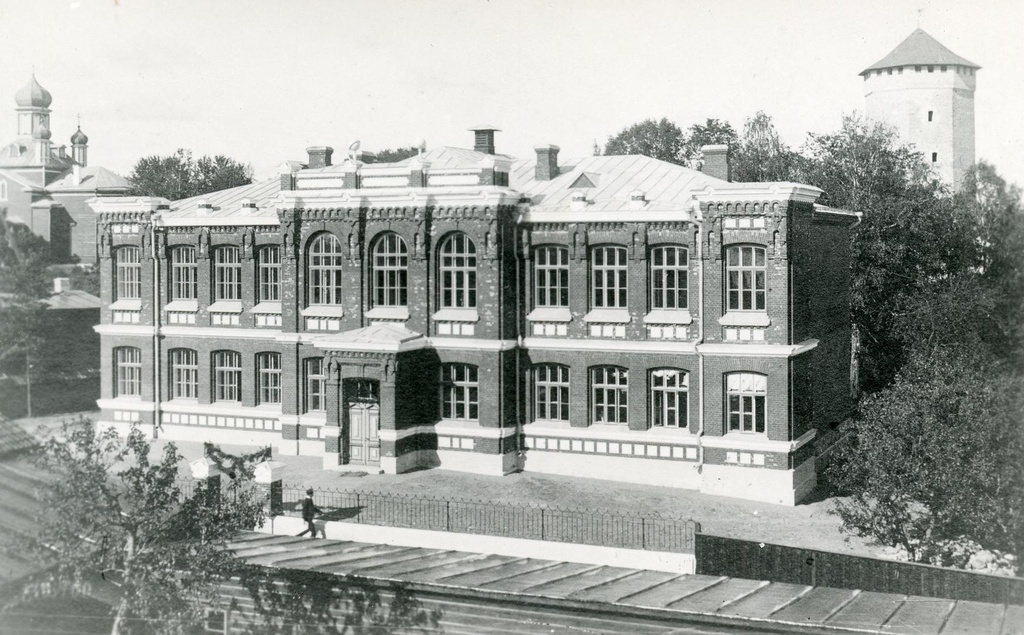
919	48
73	299
93	177
228	203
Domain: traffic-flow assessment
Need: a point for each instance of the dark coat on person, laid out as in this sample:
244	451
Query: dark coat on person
309	510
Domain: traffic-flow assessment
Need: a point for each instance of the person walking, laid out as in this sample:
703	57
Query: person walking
309	511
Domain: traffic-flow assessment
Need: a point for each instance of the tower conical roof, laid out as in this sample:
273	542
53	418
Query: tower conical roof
32	95
919	48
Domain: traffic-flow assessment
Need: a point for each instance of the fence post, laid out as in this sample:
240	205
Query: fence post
268	478
643	533
447	515
206	470
542	523
359	510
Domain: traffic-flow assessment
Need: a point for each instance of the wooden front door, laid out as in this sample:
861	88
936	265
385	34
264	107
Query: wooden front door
362	405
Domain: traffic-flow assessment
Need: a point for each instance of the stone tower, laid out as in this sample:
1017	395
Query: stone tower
926	92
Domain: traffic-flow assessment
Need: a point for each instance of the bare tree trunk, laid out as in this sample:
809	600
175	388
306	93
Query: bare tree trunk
122	606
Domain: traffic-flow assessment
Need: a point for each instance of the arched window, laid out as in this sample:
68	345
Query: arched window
183	273
459	392
457	270
127	273
324	270
551	277
551	392
227	273
127	372
184	374
268	376
746	394
390	271
610	394
669	389
227	376
268	274
668	278
745	268
608	277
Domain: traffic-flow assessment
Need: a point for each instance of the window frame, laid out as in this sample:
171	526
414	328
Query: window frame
551	391
460	392
127	371
754	289
551	279
660	272
457	272
324	270
609	283
661	396
268	378
184	373
746	403
389	271
609	381
128	273
226	371
227	273
314	385
268	274
184	273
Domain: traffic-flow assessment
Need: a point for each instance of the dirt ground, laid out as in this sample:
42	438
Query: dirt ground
808	525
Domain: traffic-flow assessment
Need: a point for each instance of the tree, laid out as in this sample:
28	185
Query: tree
761	155
935	458
711	132
662	140
394	156
179	176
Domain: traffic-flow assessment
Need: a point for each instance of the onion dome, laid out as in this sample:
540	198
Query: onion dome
79	138
42	132
32	95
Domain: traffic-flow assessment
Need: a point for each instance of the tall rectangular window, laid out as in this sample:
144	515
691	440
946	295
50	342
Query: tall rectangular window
268	371
457	269
746	394
127	372
608	277
324	269
551	277
227	376
669	387
128	274
459	392
668	278
184	374
390	271
609	394
746	271
227	273
315	385
551	391
183	274
268	274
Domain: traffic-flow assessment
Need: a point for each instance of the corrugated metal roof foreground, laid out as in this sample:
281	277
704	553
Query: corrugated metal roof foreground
691	599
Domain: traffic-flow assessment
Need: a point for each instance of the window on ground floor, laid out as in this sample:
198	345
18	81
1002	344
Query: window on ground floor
669	391
746	394
268	371
184	374
551	392
315	385
609	394
227	376
459	392
127	372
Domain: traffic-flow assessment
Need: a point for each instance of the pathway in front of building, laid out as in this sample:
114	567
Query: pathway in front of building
511	594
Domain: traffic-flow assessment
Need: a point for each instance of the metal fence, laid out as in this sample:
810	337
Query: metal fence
761	561
496	518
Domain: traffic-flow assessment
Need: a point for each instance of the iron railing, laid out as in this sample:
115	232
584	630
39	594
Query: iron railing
500	518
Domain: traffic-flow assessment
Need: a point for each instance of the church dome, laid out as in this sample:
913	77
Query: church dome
42	132
32	95
79	138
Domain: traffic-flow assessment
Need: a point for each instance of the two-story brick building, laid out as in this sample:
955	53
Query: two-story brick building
613	317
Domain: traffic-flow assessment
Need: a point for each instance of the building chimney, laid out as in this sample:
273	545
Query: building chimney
716	162
60	285
547	162
483	140
76	174
319	156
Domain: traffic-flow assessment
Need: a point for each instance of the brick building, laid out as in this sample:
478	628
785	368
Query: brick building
45	188
614	317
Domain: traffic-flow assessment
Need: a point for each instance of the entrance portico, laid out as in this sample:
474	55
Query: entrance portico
362	376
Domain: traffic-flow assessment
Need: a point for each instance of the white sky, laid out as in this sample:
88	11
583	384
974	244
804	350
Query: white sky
261	80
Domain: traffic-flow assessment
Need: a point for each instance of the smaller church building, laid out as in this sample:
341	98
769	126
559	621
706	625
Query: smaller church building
45	187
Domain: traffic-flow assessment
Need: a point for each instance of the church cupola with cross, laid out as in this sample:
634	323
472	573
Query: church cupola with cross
33	107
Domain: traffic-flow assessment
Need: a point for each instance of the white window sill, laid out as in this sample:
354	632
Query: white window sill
267	307
127	305
550	314
182	306
663	316
226	306
388	313
745	318
608	316
456	315
323	310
